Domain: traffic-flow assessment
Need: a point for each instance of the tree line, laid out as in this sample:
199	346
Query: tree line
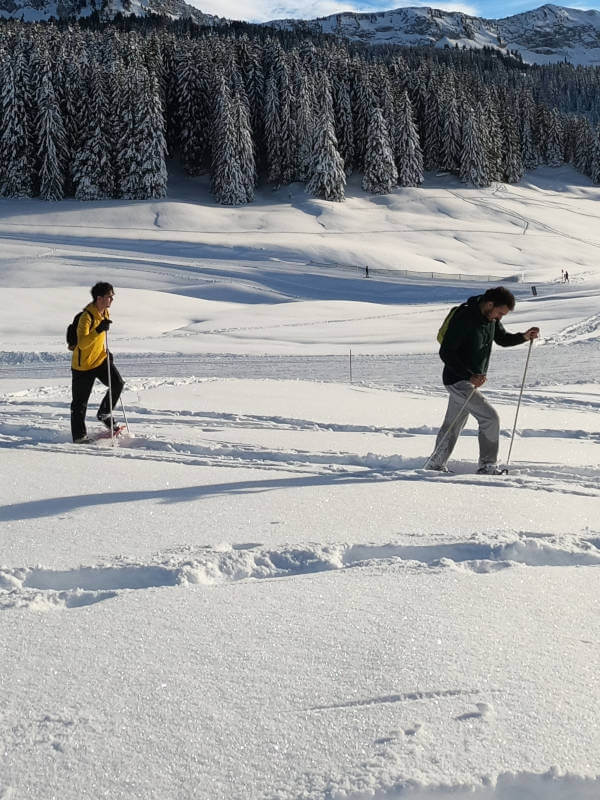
94	112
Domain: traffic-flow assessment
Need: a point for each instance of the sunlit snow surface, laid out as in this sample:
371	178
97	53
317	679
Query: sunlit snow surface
258	593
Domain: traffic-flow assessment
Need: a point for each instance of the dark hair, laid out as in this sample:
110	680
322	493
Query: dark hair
500	297
100	289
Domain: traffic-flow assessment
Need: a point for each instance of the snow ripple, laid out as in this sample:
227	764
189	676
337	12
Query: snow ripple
43	589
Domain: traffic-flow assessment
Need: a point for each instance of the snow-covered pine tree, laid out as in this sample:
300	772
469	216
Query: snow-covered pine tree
526	115
245	144
287	122
74	71
363	103
272	130
51	138
153	144
541	129
227	177
512	160
584	146
326	175
432	143
491	133
554	142
92	165
595	158
451	129
139	168
191	91
380	173
250	60
306	113
473	166
342	110
15	152
407	149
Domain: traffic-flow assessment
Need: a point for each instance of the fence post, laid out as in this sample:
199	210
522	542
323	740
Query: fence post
350	365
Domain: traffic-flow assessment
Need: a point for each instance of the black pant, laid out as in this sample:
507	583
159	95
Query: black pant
83	381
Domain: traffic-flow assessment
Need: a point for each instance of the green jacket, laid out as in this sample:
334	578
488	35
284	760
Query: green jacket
467	344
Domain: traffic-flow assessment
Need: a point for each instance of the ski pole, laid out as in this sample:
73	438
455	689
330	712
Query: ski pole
124	415
112	432
519	404
452	424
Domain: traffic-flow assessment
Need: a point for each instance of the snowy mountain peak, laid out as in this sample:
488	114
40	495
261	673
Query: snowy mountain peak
544	35
38	10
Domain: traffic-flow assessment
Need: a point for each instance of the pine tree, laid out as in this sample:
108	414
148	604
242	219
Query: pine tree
51	139
473	166
92	165
512	161
227	178
342	108
327	178
305	121
272	131
432	143
193	114
407	149
595	158
16	165
451	131
554	142
153	144
245	145
363	103
380	173
491	133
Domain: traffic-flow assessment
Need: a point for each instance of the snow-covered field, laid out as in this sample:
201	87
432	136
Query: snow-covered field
259	593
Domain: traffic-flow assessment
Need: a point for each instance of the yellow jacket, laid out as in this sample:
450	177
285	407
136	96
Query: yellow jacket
91	346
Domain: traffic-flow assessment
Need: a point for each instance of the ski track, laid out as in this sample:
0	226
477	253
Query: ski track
35	419
42	589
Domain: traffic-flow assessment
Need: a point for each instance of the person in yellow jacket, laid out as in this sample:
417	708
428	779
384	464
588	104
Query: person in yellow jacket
91	359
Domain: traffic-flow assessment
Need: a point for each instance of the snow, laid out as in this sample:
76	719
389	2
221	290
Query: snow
258	593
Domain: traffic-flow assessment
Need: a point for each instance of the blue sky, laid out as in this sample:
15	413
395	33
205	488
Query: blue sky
263	10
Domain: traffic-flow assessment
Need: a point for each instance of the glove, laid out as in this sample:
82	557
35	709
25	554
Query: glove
104	325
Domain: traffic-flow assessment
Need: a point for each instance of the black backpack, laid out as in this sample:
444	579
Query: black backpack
72	329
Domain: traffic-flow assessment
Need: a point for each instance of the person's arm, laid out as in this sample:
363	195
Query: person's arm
506	339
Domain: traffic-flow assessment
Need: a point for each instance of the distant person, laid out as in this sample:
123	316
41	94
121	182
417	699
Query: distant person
366	271
92	360
566	276
465	351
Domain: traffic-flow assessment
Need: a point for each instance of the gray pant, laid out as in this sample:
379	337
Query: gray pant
455	420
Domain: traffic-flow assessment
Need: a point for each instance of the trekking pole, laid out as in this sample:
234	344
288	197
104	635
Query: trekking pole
112	432
452	424
519	404
124	415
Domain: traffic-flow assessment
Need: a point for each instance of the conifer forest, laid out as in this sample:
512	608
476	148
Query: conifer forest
93	111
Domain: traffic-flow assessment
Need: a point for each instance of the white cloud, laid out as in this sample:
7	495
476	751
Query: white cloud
265	10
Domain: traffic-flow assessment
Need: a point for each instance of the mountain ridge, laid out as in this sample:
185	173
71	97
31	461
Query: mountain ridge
547	34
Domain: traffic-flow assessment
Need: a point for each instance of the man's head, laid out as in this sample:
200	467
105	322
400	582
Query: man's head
496	303
103	294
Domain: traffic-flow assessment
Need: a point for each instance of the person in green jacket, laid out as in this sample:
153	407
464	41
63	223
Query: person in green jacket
92	360
465	351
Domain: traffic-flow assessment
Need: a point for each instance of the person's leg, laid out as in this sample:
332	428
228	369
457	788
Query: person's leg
489	429
454	421
116	385
82	383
